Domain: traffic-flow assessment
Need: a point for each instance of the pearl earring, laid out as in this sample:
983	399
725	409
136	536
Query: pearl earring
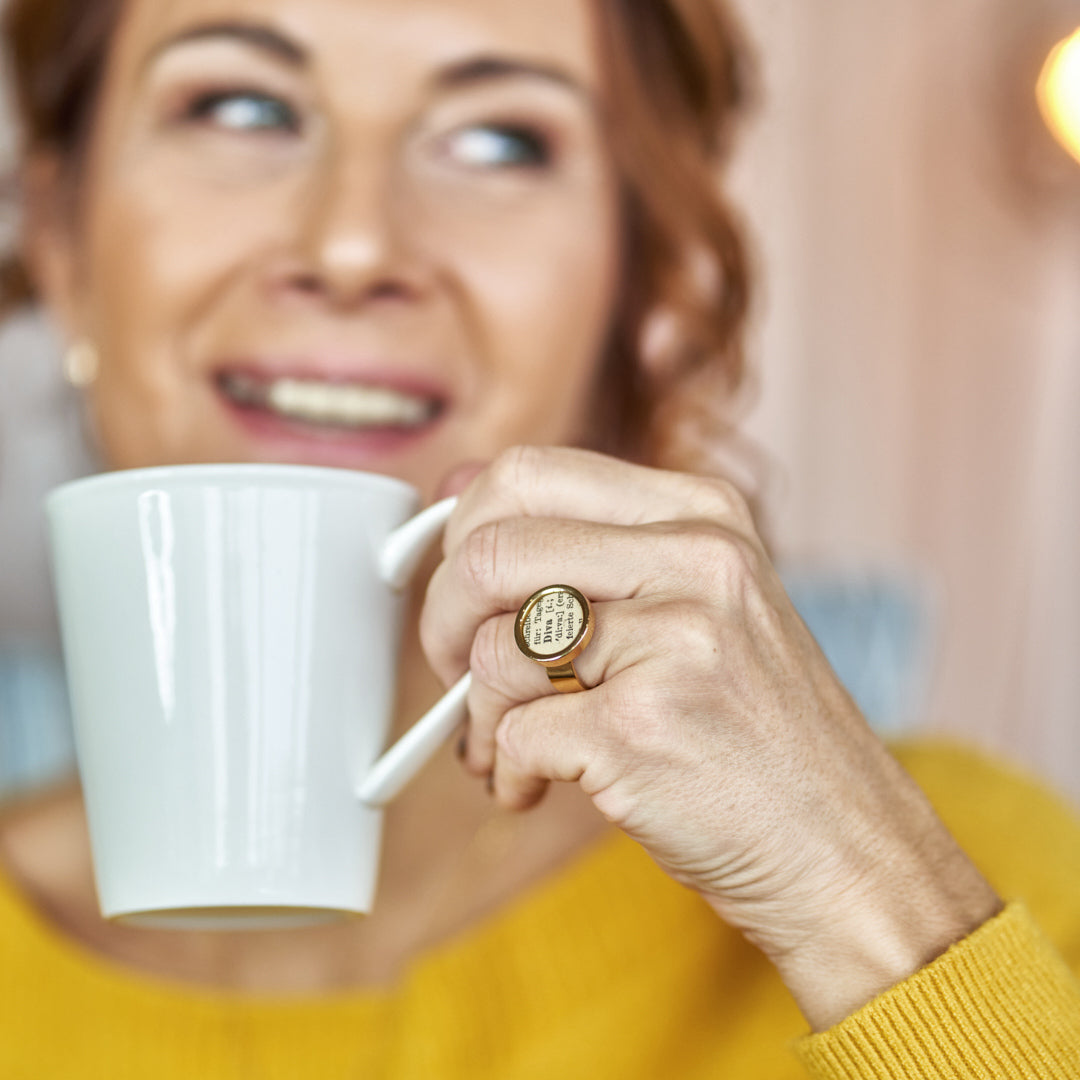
81	364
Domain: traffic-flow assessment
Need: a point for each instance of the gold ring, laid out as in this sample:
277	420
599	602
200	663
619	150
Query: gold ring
552	629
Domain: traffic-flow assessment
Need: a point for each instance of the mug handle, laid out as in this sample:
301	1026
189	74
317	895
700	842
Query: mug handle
400	556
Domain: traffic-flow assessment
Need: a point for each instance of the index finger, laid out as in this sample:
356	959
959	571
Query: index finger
574	484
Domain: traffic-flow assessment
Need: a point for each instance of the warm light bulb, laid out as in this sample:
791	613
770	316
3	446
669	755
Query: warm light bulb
1058	92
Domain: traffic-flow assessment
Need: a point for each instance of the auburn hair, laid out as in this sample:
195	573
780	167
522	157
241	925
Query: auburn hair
677	74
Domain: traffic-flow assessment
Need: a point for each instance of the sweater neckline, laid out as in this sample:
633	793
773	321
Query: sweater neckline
605	896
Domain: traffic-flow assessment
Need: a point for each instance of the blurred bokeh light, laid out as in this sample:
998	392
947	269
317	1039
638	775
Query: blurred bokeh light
1059	93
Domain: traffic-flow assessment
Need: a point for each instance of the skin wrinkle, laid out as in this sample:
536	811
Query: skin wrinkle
462	295
764	752
465	267
212	305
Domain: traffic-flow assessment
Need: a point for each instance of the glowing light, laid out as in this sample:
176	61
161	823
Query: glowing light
1058	92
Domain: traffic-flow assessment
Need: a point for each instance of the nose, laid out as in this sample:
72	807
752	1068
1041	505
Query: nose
352	240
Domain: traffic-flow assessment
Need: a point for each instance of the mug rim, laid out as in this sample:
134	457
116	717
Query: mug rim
211	471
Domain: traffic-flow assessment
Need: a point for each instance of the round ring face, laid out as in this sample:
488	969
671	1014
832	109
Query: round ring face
554	624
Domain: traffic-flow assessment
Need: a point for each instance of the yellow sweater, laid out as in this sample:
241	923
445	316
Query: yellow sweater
607	970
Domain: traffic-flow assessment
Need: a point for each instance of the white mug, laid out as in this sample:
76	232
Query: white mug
231	637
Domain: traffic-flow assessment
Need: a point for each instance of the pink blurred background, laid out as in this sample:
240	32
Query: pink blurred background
917	342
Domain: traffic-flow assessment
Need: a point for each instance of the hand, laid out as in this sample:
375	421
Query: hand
715	732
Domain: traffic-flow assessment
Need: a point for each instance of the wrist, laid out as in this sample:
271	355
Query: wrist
851	948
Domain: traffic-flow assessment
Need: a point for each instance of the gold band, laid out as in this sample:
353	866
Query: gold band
565	678
552	629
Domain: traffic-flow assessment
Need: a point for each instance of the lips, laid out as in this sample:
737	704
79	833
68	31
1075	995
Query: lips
346	404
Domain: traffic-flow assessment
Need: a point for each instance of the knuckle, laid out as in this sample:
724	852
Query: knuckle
730	500
508	740
479	557
527	792
477	767
746	561
690	629
480	743
696	545
431	642
485	661
516	468
728	559
433	639
635	717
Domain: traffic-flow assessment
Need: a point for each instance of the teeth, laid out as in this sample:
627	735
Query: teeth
341	404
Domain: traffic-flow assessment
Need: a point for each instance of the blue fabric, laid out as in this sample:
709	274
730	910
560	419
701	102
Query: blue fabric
873	630
35	719
877	633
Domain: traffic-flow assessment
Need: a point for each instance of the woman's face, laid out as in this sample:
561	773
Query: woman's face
379	234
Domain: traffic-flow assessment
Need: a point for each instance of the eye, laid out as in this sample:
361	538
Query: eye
499	146
244	111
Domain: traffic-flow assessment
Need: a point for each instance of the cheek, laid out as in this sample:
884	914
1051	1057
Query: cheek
159	256
553	325
543	287
157	237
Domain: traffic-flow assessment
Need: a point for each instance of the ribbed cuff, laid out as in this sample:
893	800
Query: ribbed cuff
999	1005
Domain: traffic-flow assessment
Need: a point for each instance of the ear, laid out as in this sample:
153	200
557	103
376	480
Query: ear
49	238
665	330
658	345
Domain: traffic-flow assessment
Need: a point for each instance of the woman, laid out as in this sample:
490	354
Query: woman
406	238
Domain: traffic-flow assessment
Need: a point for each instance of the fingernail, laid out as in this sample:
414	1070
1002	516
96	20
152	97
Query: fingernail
462	748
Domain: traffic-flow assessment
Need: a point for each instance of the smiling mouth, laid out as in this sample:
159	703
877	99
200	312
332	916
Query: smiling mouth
345	406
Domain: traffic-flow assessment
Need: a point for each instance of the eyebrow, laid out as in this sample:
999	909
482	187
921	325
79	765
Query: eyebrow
473	71
482	69
263	38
